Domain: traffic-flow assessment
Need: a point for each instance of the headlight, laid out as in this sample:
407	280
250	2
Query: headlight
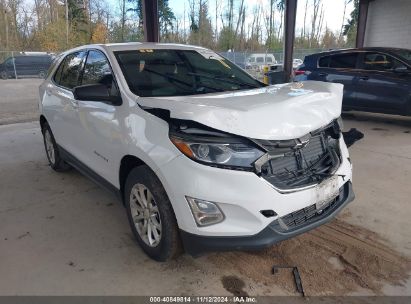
234	154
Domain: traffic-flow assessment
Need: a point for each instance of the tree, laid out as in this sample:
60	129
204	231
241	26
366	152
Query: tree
99	34
350	29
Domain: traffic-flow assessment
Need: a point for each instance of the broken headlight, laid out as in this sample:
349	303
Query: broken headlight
219	152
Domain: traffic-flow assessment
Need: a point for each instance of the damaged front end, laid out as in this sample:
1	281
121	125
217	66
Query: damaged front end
288	165
299	163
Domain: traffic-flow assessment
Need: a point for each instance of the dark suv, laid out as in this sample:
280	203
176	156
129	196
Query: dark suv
25	65
374	79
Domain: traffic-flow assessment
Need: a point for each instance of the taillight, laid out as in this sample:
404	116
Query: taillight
299	72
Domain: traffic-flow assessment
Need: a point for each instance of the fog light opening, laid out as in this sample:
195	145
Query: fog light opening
205	213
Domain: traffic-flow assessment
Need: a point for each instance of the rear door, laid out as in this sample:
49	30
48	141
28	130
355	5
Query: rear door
62	107
380	87
339	68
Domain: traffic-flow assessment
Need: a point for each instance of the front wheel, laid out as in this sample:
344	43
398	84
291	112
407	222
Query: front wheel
4	75
42	74
151	215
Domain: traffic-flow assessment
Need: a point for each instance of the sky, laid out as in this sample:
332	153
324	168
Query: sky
333	11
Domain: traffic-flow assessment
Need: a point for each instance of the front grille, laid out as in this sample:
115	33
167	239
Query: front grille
301	217
297	167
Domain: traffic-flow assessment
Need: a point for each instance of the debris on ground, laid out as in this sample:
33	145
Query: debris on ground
296	274
334	259
23	235
351	136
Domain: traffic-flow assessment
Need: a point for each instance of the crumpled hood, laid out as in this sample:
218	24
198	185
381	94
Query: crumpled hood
275	112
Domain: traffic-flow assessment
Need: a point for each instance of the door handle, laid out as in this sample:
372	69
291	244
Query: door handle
364	77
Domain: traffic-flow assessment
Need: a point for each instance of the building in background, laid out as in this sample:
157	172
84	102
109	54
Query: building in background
389	24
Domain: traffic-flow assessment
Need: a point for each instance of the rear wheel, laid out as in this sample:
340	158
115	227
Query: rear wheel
52	152
151	215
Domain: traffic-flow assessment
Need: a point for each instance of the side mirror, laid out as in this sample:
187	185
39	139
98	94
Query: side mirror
95	92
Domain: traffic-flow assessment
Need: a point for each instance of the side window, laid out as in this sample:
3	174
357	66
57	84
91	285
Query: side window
52	66
260	59
70	70
344	61
97	69
9	62
57	75
269	59
252	59
380	62
324	62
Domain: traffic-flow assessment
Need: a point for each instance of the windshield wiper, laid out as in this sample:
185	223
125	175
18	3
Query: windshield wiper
234	81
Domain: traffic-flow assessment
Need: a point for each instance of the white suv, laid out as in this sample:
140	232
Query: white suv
203	156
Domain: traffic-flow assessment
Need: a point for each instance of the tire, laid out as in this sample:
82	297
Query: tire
153	223
52	152
4	75
42	74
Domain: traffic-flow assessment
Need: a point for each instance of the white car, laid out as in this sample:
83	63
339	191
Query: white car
258	60
203	156
297	63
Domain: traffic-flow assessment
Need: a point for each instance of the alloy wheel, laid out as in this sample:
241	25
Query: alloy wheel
49	147
145	214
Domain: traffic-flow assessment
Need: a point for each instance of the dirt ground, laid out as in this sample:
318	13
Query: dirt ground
61	234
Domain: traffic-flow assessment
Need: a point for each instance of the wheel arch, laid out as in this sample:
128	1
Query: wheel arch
127	163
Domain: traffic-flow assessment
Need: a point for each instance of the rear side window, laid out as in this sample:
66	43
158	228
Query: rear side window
343	61
68	73
97	69
269	59
260	59
324	62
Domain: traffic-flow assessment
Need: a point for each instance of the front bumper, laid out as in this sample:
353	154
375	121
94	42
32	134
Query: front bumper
240	195
273	233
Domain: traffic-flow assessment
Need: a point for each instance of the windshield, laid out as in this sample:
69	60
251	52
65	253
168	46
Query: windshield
154	72
406	54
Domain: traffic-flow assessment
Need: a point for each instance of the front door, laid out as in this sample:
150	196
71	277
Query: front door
380	87
100	136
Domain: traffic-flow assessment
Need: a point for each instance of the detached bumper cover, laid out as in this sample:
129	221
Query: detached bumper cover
276	231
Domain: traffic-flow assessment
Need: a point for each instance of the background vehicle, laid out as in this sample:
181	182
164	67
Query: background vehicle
25	65
257	60
374	79
297	62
